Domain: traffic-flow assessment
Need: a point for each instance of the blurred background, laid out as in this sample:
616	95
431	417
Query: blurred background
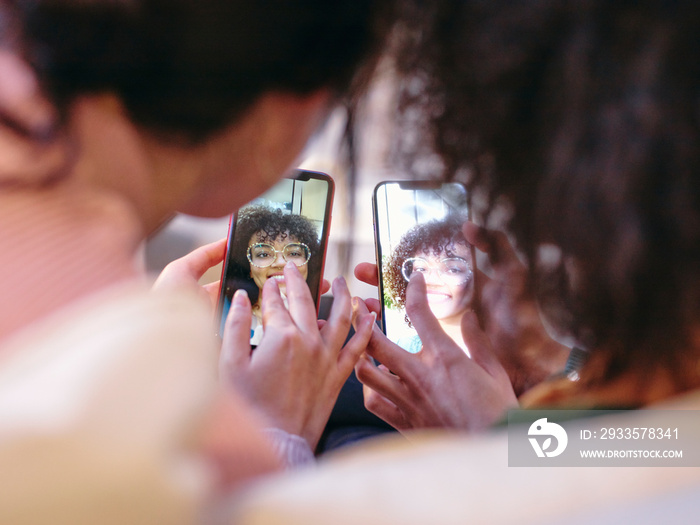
350	242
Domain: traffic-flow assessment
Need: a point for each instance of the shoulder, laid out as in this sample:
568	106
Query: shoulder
105	394
451	478
125	320
128	326
60	245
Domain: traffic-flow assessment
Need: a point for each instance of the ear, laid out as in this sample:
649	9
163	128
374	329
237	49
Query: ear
21	102
32	148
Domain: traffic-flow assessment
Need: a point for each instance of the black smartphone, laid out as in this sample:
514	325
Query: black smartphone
288	223
418	229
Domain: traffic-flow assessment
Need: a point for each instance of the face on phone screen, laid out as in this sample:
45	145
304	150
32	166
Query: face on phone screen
418	229
289	223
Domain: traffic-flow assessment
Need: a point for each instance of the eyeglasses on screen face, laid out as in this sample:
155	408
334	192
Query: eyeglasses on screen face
263	255
451	270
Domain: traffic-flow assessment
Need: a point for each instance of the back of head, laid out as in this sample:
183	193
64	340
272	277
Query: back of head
185	69
584	116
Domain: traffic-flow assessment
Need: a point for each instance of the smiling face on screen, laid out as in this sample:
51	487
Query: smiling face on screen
443	271
259	249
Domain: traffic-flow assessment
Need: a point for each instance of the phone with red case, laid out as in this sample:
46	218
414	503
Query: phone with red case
288	223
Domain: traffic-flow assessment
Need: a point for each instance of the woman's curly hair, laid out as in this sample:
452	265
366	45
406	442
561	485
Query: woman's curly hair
583	117
435	237
271	225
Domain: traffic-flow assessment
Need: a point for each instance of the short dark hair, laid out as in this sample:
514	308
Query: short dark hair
184	68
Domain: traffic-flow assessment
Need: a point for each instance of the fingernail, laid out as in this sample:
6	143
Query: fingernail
240	298
338	281
291	267
355	303
370	318
416	276
270	283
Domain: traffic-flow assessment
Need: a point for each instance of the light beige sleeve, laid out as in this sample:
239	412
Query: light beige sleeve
454	479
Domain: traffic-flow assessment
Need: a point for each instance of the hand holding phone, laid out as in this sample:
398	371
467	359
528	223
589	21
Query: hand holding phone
418	230
288	224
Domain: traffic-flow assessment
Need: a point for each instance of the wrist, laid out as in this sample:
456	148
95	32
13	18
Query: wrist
291	449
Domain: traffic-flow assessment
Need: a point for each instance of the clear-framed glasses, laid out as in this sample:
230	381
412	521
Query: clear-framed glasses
451	270
263	255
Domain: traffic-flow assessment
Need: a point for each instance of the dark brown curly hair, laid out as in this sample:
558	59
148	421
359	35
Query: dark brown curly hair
584	117
435	237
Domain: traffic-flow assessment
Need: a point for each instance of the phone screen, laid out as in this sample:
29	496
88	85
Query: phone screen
418	228
288	223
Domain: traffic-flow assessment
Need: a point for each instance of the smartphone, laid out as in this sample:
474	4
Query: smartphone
418	229
288	223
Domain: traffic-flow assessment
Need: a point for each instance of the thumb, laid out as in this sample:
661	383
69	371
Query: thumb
187	270
235	341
